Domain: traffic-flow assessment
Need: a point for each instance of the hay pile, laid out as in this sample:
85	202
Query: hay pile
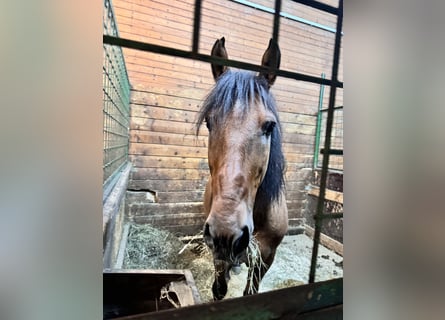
152	248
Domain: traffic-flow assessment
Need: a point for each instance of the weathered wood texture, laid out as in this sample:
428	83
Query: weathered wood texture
330	228
321	300
167	92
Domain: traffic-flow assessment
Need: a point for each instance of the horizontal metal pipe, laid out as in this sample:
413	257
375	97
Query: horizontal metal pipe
335	108
320	6
336	152
132	44
336	215
285	15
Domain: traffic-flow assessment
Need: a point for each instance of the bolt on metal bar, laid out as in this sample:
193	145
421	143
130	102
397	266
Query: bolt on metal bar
324	170
133	44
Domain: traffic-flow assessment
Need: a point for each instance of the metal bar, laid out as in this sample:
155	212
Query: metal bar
124	96
321	6
116	106
113	21
127	43
113	161
276	21
335	108
318	131
324	169
116	133
336	215
196	26
285	15
336	152
115	147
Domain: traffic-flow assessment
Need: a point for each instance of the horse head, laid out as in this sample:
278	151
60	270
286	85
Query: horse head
243	123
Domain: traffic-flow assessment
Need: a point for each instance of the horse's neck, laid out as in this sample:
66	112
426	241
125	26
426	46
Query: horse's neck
261	207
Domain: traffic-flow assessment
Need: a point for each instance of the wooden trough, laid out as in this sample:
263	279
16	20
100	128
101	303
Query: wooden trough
132	292
133	295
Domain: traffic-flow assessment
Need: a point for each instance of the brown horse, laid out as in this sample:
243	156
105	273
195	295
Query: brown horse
244	200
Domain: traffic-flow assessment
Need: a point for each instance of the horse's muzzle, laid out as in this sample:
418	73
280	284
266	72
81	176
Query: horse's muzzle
225	248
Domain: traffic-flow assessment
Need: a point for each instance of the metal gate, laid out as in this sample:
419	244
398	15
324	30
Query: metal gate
116	103
328	114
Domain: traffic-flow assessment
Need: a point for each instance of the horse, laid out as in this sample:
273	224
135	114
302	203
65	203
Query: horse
244	199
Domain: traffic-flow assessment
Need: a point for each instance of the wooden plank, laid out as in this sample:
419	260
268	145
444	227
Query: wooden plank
167	185
128	292
167	220
170	151
177	114
149	137
260	22
165	112
147	209
114	199
163	100
296	195
287	303
169	162
155	125
183	229
285	90
326	241
122	246
329	194
168	174
176	91
182	196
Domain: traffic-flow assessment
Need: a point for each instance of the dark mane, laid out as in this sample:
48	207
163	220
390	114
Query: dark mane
244	87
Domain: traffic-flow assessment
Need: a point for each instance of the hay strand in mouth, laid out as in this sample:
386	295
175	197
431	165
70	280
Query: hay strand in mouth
254	261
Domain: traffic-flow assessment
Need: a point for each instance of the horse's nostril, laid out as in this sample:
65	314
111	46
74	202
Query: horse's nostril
206	230
242	242
207	236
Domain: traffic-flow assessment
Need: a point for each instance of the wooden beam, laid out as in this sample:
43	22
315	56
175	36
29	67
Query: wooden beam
329	195
113	201
326	241
290	303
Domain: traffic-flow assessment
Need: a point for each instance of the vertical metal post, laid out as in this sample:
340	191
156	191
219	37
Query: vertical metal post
276	21
329	121
196	26
319	117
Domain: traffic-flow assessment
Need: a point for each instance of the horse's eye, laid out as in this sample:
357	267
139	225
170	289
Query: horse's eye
268	127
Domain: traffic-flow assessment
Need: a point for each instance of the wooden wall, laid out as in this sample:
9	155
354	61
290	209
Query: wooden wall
169	160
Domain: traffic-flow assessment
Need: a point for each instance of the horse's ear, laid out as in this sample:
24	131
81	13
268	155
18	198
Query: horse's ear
219	51
271	59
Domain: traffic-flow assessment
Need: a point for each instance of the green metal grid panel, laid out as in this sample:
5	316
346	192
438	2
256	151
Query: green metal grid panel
116	101
335	159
